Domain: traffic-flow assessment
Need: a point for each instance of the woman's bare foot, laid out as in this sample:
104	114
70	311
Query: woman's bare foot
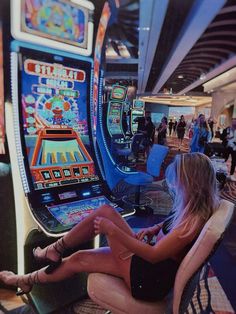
19	281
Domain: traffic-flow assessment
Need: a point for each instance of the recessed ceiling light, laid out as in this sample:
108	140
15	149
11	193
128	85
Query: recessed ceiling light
180	76
202	76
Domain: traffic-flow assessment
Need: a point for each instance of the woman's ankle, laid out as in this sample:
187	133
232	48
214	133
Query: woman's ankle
60	247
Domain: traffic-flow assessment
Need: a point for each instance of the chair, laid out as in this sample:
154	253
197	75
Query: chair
122	149
111	292
155	159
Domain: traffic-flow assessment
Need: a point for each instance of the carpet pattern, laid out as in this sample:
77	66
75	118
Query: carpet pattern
88	307
209	297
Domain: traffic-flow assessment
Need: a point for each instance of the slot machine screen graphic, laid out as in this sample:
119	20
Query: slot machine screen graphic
56	19
55	123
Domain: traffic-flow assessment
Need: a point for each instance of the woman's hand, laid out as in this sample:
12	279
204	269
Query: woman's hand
103	225
147	233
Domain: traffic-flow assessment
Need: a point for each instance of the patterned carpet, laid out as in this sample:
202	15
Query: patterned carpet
209	297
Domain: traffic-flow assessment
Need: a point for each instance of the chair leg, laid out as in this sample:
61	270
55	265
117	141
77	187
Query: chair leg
137	195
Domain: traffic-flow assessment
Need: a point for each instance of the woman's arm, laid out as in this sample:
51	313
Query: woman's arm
169	246
149	232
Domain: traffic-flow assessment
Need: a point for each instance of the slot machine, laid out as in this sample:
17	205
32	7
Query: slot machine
115	110
136	112
57	179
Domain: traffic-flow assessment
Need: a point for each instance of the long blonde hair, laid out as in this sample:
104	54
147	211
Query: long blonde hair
193	179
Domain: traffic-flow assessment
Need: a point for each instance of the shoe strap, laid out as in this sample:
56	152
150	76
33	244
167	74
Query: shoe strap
60	246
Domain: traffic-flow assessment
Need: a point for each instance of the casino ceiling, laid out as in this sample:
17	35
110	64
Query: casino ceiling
175	45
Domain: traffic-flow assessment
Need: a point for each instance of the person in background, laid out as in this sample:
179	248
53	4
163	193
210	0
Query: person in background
124	122
170	126
201	135
228	138
211	123
174	127
181	125
148	270
191	126
141	124
129	121
162	130
150	133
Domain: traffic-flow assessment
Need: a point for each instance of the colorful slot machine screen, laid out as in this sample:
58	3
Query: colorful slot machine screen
138	104
59	20
55	110
118	92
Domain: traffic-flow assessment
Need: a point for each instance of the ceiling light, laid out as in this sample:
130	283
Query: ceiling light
202	76
180	76
144	28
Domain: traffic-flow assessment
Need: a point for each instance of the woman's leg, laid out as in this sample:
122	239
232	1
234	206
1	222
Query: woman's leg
82	232
101	260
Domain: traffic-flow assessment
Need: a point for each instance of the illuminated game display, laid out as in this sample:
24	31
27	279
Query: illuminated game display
62	24
118	93
54	108
52	95
105	16
56	18
137	111
114	118
138	104
115	109
70	214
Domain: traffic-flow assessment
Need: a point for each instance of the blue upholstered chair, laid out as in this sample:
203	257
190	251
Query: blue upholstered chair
122	149
155	159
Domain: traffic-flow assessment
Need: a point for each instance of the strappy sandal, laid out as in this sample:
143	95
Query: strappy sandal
59	246
33	279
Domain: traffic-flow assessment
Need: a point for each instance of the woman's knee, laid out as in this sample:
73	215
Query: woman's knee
79	260
106	211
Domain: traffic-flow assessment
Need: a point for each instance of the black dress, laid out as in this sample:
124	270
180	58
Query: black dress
152	282
181	129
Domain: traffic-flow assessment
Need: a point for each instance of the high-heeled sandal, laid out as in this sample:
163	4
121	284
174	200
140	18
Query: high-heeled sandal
23	282
32	279
59	246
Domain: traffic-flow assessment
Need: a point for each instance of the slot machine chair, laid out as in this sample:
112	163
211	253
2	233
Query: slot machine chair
112	293
126	150
140	179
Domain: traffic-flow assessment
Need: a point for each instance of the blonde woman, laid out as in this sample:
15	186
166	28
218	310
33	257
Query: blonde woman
148	270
